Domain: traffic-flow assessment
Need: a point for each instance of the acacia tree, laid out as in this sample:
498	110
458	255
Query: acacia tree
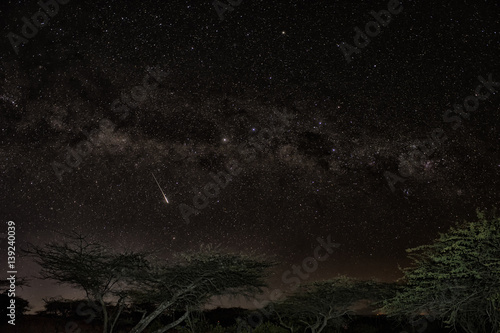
455	279
318	305
89	266
194	278
59	307
122	279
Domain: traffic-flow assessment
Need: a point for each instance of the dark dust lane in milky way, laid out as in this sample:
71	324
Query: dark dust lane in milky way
215	147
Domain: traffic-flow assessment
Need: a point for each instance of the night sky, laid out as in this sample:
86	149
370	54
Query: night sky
320	141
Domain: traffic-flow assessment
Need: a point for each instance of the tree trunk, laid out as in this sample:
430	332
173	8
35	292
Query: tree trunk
325	321
120	308
141	325
104	315
148	319
173	324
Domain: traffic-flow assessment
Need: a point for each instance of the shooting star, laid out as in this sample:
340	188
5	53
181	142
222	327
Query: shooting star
160	188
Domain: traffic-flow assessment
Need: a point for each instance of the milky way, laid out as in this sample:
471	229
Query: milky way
111	92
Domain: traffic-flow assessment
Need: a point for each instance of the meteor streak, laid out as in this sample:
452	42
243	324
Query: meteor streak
160	188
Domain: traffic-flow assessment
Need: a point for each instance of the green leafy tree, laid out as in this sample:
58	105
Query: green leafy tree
456	279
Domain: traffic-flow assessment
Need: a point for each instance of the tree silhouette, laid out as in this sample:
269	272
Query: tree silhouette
59	307
123	279
88	265
194	278
318	305
22	305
